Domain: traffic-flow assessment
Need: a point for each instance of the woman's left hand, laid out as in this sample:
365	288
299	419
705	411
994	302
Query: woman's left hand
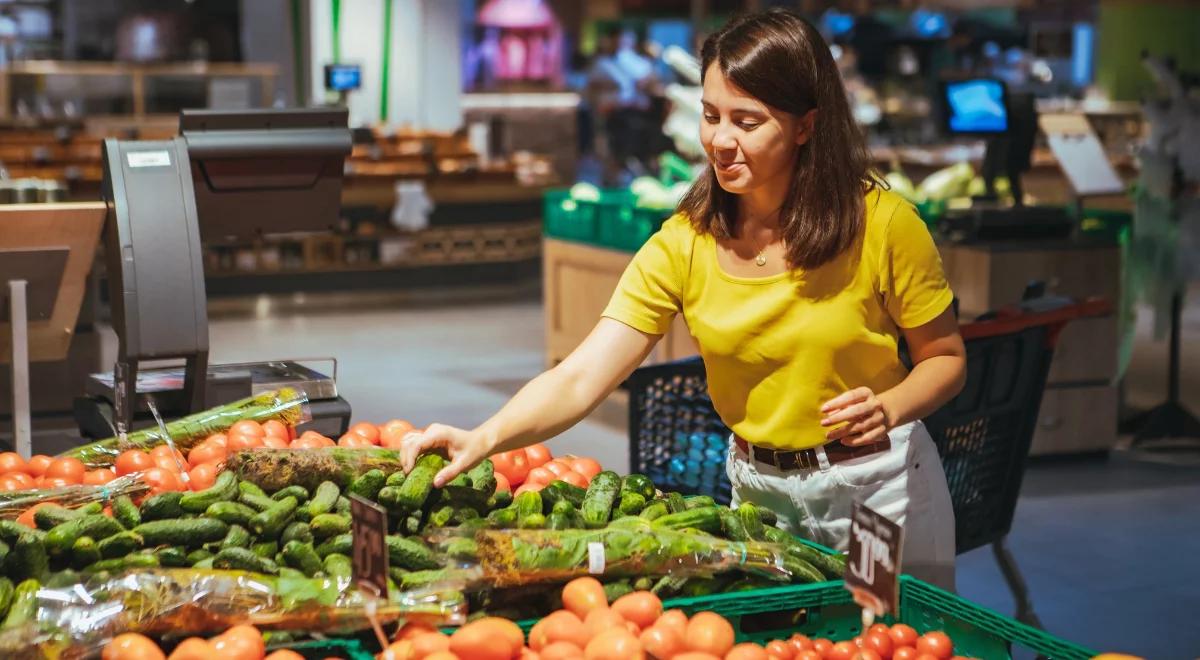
863	415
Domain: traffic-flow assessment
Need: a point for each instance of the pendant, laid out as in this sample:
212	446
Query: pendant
761	259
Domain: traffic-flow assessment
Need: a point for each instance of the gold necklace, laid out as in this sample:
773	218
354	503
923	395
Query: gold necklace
761	259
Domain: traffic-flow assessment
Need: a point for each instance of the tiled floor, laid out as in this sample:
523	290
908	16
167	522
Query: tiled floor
1109	548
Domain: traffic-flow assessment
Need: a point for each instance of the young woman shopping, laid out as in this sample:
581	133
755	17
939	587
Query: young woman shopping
797	275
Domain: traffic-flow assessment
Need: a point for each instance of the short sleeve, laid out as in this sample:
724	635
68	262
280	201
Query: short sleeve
912	281
649	294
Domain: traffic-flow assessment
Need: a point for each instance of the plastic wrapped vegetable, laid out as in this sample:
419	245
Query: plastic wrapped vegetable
274	469
76	620
287	405
14	503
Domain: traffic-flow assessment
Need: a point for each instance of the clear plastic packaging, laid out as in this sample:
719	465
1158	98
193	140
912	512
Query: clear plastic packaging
76	620
273	469
14	503
287	405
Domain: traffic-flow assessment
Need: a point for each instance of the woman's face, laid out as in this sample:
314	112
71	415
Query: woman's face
749	143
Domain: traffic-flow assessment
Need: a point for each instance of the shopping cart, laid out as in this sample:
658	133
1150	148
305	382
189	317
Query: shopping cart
983	434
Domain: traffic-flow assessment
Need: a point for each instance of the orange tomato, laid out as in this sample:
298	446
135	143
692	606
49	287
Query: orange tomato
520	467
709	632
484	639
132	646
559	626
160	480
247	427
366	430
842	651
353	441
935	643
661	642
563	651
879	642
582	595
7	483
193	648
601	619
747	651
305	442
206	452
98	477
24	479
574	478
165	450
800	643
588	467
37	464
26	517
538	455
822	645
133	460
57	482
68	468
557	466
275	442
640	607
276	429
905	653
168	462
240	441
614	645
777	649
11	461
675	620
284	654
202	476
397	426
540	476
903	635
502	464
427	644
240	642
527	487
218	439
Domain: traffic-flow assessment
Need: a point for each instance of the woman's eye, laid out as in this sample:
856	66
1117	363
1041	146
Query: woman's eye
712	119
747	125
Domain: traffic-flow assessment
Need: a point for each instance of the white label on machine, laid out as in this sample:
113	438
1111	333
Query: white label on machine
148	158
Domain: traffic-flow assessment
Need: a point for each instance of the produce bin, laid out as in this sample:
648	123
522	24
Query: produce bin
614	221
350	649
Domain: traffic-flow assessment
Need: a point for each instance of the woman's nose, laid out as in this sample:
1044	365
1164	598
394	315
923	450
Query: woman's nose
723	138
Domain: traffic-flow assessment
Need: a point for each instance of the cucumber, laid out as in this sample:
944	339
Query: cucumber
98	526
411	525
237	537
732	526
163	506
191	533
831	566
265	549
136	560
419	483
558	520
389	498
532	521
442	516
232	513
409	554
84	552
259	503
655	509
483	477
119	545
562	506
464	496
528	503
769	517
644	583
614	590
342	505
329	524
503	498
559	490
11	530
707	519
802	572
23	608
6	595
198	555
244	560
395	478
297	491
91	508
748	514
224	489
337	566
126	512
175	557
698	502
297	531
505	518
640	484
598	502
4	550
676	503
303	557
49	516
368	484
342	544
288	572
204	564
250	488
463	549
270	522
323	499
631	503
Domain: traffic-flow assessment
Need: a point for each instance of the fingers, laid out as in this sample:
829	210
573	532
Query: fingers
846	398
876	434
461	462
852	412
417	442
858	427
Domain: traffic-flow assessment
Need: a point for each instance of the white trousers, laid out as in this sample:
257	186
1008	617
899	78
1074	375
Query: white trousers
906	484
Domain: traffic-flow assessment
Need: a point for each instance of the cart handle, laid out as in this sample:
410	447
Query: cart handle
1013	319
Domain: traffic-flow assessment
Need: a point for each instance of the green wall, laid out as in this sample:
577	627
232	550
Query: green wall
1127	27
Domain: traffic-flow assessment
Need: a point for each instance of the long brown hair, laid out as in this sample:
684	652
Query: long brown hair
780	59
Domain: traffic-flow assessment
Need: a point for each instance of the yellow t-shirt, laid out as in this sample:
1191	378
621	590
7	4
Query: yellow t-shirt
776	348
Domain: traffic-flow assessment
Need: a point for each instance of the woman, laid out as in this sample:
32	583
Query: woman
797	275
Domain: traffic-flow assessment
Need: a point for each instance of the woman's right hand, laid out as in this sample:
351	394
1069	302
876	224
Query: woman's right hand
464	449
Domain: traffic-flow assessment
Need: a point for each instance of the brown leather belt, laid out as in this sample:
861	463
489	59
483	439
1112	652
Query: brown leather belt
803	459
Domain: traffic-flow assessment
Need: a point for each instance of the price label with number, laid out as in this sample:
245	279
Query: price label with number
873	562
369	562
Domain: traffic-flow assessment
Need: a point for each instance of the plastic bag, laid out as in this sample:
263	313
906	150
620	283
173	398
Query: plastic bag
287	405
505	557
76	620
273	469
14	503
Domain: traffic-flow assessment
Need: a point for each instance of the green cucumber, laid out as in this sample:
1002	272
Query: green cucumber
395	478
175	557
463	549
558	520
368	484
505	518
831	566
323	499
204	564
250	488
748	514
259	503
270	522
614	590
49	516
265	549
655	509
288	572
295	490
11	530
84	552
117	564
640	484
189	532
119	545
126	512
23	608
338	566
676	503
91	509
329	524
559	490
528	503
389	498
342	505
98	526
464	496
237	537
303	557
342	544
6	595
442	516
244	560
4	550
598	502
409	554
532	521
631	503
224	489
419	483
732	526
769	517
297	531
198	555
483	477
231	513
503	498
698	501
707	519
163	506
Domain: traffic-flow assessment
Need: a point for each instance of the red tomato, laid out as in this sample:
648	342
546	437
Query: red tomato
540	476
71	469
36	467
202	476
877	629
160	480
822	646
277	429
275	442
538	455
843	651
239	442
879	642
936	643
247	427
7	483
903	635
588	467
502	464
904	653
557	466
867	654
98	477
366	430
800	643
502	485
206	452
574	478
779	650
353	441
306	442
169	463
26	517
25	480
520	467
808	654
165	450
11	461
218	439
57	482
397	426
133	460
528	486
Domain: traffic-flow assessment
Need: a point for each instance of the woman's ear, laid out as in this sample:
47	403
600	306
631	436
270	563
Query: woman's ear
804	128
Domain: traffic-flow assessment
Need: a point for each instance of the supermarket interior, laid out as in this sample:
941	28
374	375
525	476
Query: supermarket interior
561	329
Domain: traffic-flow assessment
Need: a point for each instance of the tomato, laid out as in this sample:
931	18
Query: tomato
132	646
275	442
397	426
161	480
502	485
559	626
240	442
57	482
822	645
574	478
745	651
709	632
502	464
904	653
277	429
194	648
843	651
878	629
937	644
68	468
24	479
582	595
538	455
640	607
526	487
7	483
218	439
557	466
613	645
540	476
11	461
165	450
98	477
247	427
779	650
353	441
520	467
588	467
167	462
808	654
306	442
133	460
800	643
26	517
202	476
206	452
366	430
37	464
867	654
903	635
879	642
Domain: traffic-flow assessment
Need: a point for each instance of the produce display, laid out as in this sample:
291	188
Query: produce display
240	642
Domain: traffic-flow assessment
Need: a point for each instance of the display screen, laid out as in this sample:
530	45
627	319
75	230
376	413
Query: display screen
976	106
343	77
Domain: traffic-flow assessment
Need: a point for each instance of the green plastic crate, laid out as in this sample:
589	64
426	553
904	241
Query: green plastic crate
827	610
566	218
350	649
614	221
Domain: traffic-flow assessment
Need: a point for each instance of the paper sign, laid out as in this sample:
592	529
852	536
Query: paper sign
873	564
1080	155
369	561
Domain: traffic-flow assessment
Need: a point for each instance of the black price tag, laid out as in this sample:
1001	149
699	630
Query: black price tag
369	562
873	564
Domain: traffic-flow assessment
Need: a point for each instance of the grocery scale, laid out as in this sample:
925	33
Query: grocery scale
239	174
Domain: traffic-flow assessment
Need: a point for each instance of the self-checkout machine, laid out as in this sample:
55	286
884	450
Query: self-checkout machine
243	174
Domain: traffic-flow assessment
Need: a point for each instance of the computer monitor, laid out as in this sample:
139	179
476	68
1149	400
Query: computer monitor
978	106
343	77
266	171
